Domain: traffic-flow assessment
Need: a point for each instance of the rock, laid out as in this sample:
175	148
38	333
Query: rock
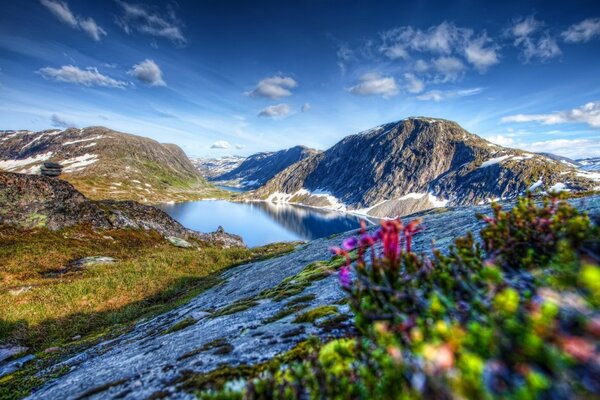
15	365
84	262
20	290
220	230
179	242
7	352
51	169
76	337
50	350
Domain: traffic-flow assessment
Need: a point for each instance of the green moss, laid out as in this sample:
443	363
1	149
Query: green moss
316	313
220	346
238	306
184	323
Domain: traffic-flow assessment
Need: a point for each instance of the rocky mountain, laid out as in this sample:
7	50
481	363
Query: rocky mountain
257	169
30	201
211	168
106	164
589	164
415	164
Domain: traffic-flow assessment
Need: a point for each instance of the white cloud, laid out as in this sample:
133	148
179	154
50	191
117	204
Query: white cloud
375	84
151	21
148	72
533	43
480	56
62	12
306	107
274	87
60	122
221	144
439	95
583	31
276	111
449	68
573	148
240	146
588	113
502	140
90	27
413	84
85	77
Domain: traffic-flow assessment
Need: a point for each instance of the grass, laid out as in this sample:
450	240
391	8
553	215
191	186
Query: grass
315	314
44	305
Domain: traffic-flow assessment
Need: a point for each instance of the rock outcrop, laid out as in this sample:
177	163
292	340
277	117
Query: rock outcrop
416	164
105	164
32	201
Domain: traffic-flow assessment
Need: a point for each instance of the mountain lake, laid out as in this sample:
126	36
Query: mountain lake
260	223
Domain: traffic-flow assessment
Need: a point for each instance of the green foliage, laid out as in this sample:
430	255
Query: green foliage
515	317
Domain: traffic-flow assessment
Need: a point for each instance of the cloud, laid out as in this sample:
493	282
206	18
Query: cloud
480	56
221	144
572	148
440	95
151	21
584	31
502	140
276	111
375	84
60	122
240	146
86	77
274	87
306	107
588	114
413	84
450	69
148	72
62	12
533	43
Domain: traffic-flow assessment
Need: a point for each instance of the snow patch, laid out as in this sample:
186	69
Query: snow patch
493	161
11	165
79	163
558	187
83	140
536	185
595	176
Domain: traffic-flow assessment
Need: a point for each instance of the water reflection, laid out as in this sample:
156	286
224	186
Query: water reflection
261	223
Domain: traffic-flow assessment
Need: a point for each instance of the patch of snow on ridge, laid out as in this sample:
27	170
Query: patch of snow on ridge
78	163
437	203
83	140
11	165
559	187
536	185
493	161
334	203
595	176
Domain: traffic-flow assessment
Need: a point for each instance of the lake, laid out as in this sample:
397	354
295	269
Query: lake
260	223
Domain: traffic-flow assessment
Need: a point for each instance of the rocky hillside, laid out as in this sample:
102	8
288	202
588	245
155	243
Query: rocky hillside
589	164
106	164
211	168
257	169
416	164
30	201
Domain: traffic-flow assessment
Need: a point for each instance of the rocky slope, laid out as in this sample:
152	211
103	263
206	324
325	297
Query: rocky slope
106	164
257	169
416	164
211	168
589	164
30	201
239	321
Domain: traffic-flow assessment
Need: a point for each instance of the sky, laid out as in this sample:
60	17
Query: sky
222	77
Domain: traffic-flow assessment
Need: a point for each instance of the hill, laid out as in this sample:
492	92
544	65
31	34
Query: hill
416	164
106	164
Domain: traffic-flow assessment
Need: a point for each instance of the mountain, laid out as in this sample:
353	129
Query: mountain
106	164
30	201
565	160
257	169
213	167
589	164
415	164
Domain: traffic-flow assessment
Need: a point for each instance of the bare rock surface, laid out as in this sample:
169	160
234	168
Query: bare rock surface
154	356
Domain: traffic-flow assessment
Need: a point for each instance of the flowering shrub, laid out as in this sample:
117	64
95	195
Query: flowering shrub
516	316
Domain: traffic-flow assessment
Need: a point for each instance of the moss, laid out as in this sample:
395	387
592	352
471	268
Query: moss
316	313
184	323
238	306
221	346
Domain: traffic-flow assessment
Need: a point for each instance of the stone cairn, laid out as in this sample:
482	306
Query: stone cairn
51	169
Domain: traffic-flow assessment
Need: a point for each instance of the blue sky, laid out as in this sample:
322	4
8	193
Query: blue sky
223	77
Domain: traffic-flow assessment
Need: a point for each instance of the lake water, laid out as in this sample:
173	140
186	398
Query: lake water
260	223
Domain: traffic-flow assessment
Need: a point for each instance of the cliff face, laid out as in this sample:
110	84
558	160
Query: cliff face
106	164
257	169
415	164
31	201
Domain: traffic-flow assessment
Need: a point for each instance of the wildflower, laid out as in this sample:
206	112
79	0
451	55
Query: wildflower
349	243
345	279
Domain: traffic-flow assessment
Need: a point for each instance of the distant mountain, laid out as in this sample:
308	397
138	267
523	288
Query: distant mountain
106	164
416	164
213	167
257	169
565	160
589	164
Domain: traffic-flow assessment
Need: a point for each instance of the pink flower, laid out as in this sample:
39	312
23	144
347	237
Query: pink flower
345	280
349	243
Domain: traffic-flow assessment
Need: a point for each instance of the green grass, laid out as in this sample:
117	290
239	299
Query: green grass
43	304
316	313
